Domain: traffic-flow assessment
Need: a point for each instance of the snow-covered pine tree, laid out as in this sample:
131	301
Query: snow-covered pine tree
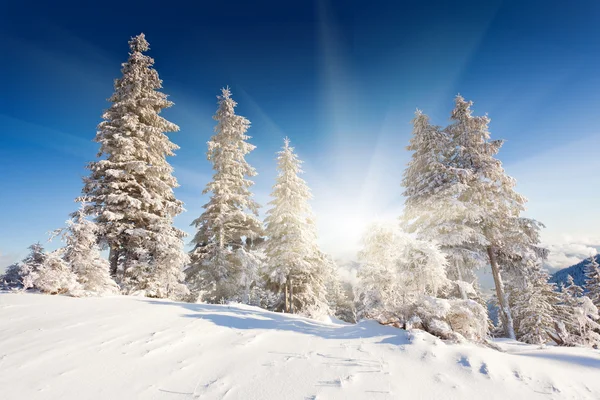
592	281
397	270
31	265
490	191
588	318
55	276
576	318
573	289
535	309
230	216
340	304
565	325
295	265
83	255
12	276
131	187
521	257
432	210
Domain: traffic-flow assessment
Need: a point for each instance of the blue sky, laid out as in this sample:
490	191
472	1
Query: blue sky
341	79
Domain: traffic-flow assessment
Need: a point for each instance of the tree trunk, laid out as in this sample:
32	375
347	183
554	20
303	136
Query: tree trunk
291	296
287	304
460	279
505	315
113	258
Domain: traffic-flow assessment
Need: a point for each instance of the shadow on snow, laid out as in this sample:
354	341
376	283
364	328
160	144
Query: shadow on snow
567	358
240	317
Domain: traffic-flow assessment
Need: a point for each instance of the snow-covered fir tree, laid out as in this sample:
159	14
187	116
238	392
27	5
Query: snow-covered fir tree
223	243
577	318
432	209
83	256
31	265
565	325
396	270
534	309
12	276
573	290
521	258
340	304
588	320
592	281
296	268
489	193
55	276
131	186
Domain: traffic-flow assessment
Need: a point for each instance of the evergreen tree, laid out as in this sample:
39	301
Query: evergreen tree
83	255
588	318
30	266
432	210
340	304
396	271
592	281
535	310
295	265
579	319
521	257
573	290
489	193
55	276
131	186
12	276
229	223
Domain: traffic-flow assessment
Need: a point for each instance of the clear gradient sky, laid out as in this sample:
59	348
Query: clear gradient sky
340	78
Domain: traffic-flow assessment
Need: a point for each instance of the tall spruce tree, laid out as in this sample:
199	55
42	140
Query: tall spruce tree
229	224
131	187
296	267
432	209
489	191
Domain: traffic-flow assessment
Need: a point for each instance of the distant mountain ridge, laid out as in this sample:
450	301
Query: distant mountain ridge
576	271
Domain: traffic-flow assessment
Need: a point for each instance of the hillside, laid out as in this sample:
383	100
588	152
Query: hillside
576	271
54	347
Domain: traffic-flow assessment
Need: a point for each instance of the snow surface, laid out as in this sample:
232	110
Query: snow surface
55	347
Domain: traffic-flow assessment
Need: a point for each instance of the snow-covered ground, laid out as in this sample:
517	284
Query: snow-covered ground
54	347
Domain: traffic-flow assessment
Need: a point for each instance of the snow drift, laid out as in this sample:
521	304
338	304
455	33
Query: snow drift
56	347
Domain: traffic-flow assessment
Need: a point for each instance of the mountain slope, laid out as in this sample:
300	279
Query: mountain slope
54	347
576	271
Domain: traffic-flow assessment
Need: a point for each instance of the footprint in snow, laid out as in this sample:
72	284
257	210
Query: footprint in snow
464	361
484	370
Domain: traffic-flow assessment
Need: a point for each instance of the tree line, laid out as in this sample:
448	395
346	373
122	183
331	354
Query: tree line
461	213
